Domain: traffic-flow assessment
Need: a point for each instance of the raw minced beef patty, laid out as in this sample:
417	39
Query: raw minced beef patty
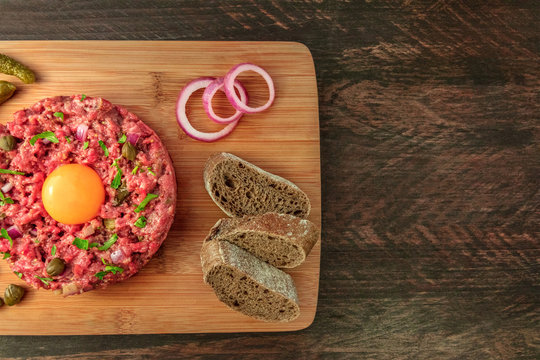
151	173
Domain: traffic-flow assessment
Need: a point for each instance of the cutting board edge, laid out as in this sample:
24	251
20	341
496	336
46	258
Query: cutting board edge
299	48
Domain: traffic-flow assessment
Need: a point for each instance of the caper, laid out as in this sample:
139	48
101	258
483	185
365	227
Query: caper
56	267
109	224
121	194
7	142
129	151
13	294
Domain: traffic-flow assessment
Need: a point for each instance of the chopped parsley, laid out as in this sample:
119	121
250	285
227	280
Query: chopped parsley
84	244
68	139
5	235
18	274
7	255
141	222
123	139
151	172
80	243
12	172
49	135
108	243
5	200
44	280
118	177
53	250
145	202
108	269
59	114
105	150
85	146
134	171
83	97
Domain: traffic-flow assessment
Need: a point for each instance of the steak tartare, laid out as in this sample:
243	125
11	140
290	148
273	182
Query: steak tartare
133	217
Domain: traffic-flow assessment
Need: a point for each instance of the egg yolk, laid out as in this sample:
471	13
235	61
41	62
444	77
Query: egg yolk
73	194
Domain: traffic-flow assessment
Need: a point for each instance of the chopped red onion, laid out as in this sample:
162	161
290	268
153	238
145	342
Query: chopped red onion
117	256
33	232
133	138
82	131
7	187
14	232
45	141
87	231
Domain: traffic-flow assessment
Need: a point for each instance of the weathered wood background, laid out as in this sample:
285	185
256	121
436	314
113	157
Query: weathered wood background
430	146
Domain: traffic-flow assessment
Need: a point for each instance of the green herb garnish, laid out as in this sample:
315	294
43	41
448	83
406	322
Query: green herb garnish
151	172
85	146
108	269
80	243
12	172
141	222
7	255
101	274
59	114
44	280
5	235
18	274
53	250
105	150
134	171
68	139
49	135
146	200
123	139
83	97
114	269
5	200
117	178
108	243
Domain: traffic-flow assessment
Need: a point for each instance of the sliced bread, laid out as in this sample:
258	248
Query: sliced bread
279	239
248	285
240	188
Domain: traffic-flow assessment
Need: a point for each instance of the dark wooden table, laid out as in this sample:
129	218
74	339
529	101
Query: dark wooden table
430	146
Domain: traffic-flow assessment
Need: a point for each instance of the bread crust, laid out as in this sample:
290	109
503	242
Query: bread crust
299	233
292	192
270	280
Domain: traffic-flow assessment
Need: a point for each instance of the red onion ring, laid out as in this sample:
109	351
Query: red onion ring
133	138
183	121
209	93
82	131
231	94
14	232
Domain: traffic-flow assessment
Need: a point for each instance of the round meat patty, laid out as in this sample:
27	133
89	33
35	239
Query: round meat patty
124	235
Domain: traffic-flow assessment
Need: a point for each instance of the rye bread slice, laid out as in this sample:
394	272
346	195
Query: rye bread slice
281	240
247	284
240	188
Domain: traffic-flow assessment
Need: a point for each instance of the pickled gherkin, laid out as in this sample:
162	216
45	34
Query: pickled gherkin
6	90
11	66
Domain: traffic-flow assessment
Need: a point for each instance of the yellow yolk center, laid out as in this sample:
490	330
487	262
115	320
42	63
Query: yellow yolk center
73	194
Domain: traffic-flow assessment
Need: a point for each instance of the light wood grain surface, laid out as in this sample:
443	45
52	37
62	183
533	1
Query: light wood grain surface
168	295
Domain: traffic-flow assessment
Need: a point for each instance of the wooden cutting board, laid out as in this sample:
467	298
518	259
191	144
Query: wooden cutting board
168	295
